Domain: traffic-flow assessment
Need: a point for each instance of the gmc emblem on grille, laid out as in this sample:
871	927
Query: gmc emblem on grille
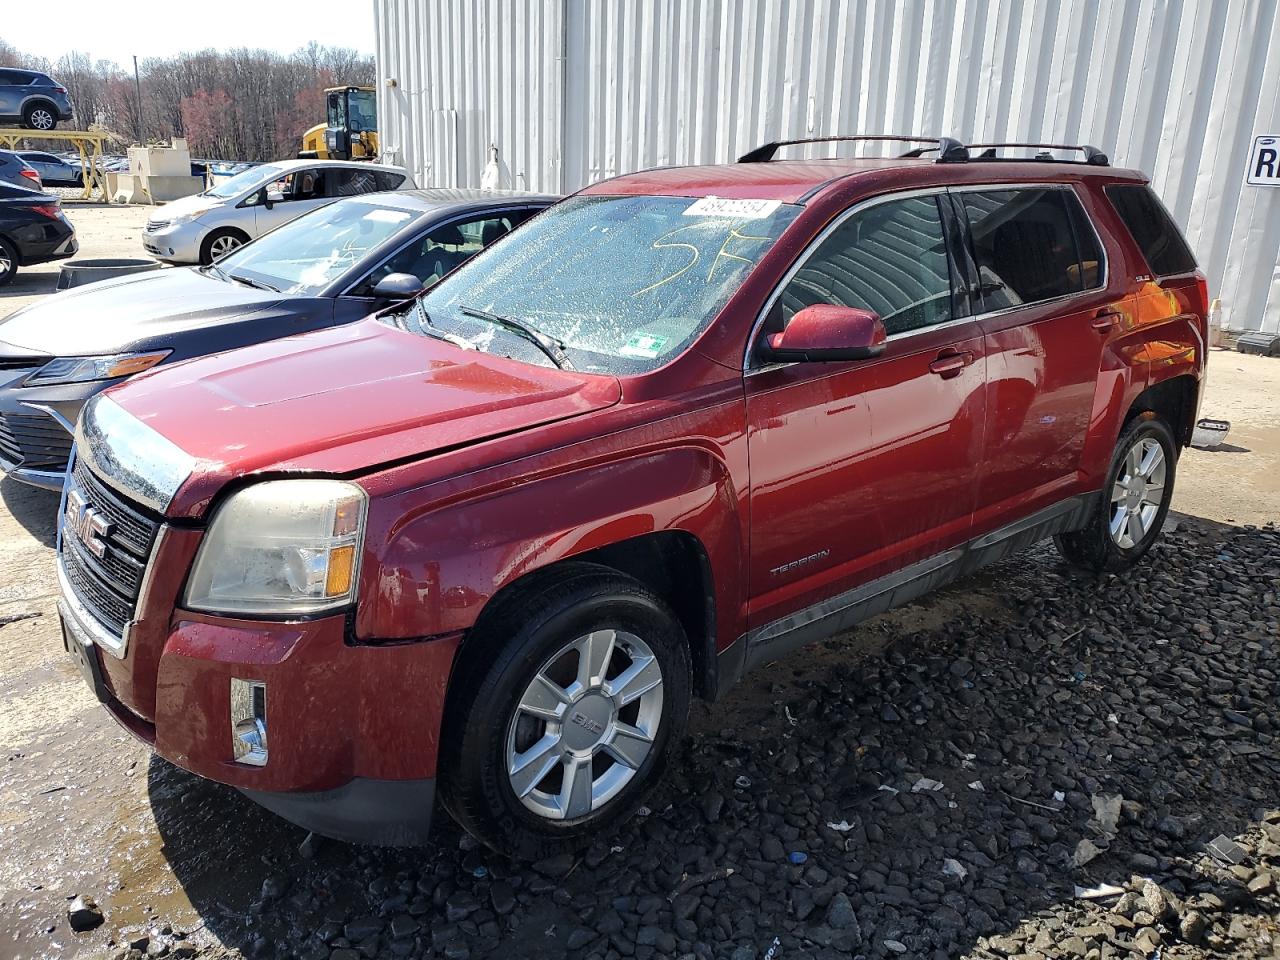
87	524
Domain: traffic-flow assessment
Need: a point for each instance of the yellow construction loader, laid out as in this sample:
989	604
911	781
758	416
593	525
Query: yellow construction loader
350	131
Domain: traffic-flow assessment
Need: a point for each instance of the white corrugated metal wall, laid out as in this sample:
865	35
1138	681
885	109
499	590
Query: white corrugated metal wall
572	91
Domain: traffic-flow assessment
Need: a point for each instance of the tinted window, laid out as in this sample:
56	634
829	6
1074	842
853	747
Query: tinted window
1153	229
349	182
40	80
889	258
388	181
431	256
1024	246
7	78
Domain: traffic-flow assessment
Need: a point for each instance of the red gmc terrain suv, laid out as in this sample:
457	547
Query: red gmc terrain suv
488	545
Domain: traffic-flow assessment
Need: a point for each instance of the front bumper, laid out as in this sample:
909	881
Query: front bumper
175	243
37	425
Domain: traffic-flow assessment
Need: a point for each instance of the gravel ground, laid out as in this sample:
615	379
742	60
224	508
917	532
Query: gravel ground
936	783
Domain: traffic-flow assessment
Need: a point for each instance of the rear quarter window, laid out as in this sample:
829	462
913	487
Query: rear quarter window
1153	230
388	181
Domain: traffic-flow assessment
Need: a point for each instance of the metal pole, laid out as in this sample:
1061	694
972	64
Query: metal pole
137	87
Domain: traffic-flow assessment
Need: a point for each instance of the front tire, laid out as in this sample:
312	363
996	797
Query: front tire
1132	504
219	243
562	717
8	262
39	116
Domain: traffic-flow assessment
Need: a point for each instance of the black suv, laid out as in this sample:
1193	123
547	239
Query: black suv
34	99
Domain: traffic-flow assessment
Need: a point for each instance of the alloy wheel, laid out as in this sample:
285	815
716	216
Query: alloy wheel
223	245
41	119
6	262
584	725
1137	494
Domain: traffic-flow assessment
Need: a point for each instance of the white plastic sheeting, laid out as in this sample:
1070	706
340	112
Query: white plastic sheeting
572	91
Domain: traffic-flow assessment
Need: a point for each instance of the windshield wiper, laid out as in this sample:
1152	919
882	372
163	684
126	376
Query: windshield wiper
430	329
248	282
548	344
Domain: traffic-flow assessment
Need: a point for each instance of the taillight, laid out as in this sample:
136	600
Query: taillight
31	175
50	210
1202	289
59	89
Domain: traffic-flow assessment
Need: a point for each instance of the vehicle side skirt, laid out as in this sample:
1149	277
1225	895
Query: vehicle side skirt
768	642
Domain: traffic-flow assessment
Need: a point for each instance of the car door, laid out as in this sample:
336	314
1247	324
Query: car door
861	468
1046	307
299	191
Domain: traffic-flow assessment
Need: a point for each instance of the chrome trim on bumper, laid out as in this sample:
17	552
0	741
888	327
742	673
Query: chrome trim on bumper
44	479
141	463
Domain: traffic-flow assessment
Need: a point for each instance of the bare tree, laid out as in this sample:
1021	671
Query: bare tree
250	104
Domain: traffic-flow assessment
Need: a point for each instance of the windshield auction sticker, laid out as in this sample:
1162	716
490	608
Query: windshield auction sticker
741	209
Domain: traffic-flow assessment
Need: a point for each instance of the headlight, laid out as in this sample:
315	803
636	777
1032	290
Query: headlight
85	369
189	216
284	547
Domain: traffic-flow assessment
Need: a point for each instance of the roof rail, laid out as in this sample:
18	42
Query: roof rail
949	148
1092	155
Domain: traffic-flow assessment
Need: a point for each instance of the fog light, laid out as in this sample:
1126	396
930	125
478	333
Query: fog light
249	722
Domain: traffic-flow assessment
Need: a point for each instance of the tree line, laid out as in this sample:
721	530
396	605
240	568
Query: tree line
230	105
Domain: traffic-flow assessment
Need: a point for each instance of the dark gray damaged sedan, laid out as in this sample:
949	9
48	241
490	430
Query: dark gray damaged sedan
333	266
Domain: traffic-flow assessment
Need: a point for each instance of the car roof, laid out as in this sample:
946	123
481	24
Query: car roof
796	181
450	198
358	164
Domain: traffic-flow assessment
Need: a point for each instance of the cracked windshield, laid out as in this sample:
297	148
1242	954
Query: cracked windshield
306	255
604	284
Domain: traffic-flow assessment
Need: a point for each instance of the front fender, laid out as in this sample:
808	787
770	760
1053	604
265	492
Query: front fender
431	570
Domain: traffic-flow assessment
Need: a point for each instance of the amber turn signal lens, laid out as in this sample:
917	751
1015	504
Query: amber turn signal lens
136	364
342	561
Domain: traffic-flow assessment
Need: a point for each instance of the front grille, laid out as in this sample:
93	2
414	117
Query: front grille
36	441
154	225
109	585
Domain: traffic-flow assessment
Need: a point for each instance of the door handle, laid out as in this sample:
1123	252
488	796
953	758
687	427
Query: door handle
950	363
1105	320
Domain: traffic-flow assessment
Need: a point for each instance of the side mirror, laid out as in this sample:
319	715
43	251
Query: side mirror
398	286
273	197
824	332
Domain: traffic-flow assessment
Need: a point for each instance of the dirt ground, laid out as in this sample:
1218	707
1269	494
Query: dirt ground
103	231
86	810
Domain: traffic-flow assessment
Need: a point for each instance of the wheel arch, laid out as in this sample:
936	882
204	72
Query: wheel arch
1174	401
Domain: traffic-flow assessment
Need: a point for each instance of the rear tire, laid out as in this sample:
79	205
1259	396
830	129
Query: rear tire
8	262
1131	507
562	718
219	243
40	116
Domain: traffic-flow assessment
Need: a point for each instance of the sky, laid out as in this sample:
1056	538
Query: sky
111	33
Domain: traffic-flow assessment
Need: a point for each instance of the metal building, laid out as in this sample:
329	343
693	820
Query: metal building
572	91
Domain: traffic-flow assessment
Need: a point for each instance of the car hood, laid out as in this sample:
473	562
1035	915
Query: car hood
341	401
183	205
112	315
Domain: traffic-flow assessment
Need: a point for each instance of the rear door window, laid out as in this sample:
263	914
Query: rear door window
889	258
1025	245
387	180
1154	231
